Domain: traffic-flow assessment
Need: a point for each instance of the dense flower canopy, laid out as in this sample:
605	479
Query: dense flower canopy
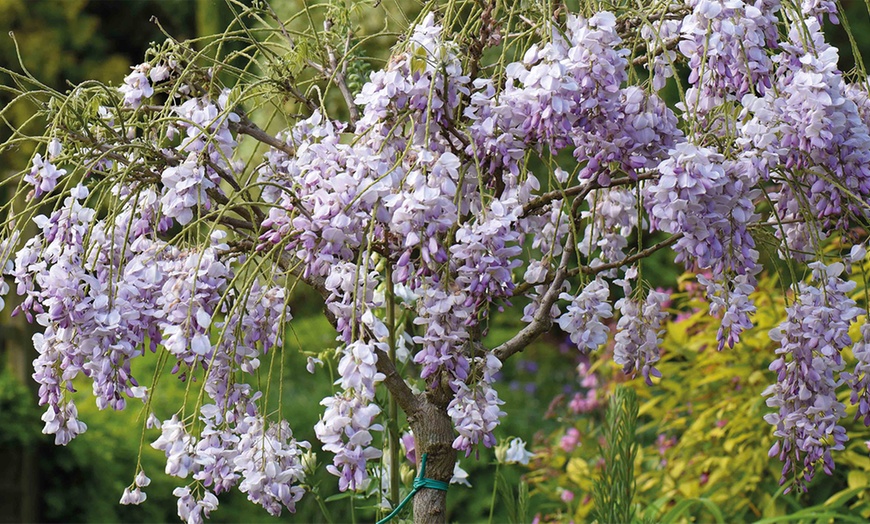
446	196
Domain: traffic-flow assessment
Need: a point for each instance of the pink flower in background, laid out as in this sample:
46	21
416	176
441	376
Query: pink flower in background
570	440
584	404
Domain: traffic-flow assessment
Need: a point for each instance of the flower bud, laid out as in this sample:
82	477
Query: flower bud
501	452
406	473
309	462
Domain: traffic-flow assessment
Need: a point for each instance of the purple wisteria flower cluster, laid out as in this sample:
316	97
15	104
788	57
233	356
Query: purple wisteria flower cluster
454	190
641	322
812	136
709	201
810	372
726	43
584	319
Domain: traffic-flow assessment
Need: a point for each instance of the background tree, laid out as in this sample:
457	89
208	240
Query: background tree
498	140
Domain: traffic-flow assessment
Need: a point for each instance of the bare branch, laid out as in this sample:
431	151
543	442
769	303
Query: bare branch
542	321
337	75
594	270
548	197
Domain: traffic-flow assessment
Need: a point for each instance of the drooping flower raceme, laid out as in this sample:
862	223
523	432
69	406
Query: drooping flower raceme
859	379
137	86
44	174
639	330
585	316
813	135
726	43
709	202
808	371
475	410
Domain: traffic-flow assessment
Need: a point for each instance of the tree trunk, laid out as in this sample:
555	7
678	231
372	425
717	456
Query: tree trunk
433	435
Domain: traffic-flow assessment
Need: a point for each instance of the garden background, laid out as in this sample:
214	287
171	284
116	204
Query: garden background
702	441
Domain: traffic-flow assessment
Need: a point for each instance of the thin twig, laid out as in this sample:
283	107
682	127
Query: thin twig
594	270
584	189
246	127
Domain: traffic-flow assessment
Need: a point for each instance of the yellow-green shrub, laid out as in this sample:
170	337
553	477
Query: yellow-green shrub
701	435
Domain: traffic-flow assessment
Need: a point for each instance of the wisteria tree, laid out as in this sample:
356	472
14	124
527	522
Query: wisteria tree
507	155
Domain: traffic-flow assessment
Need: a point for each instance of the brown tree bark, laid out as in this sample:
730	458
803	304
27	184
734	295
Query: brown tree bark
433	436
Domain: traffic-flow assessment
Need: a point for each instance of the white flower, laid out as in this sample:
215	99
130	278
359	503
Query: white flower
133	497
857	254
54	148
460	476
312	362
142	480
517	453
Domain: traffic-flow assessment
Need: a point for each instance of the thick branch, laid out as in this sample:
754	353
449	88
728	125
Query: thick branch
433	435
542	321
407	400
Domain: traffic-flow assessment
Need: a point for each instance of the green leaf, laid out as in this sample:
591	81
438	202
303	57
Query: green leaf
674	514
813	513
840	499
339	496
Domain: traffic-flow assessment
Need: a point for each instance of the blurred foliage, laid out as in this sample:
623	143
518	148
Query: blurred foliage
19	418
67	42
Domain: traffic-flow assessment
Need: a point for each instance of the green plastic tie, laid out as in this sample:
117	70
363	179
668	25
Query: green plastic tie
420	482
